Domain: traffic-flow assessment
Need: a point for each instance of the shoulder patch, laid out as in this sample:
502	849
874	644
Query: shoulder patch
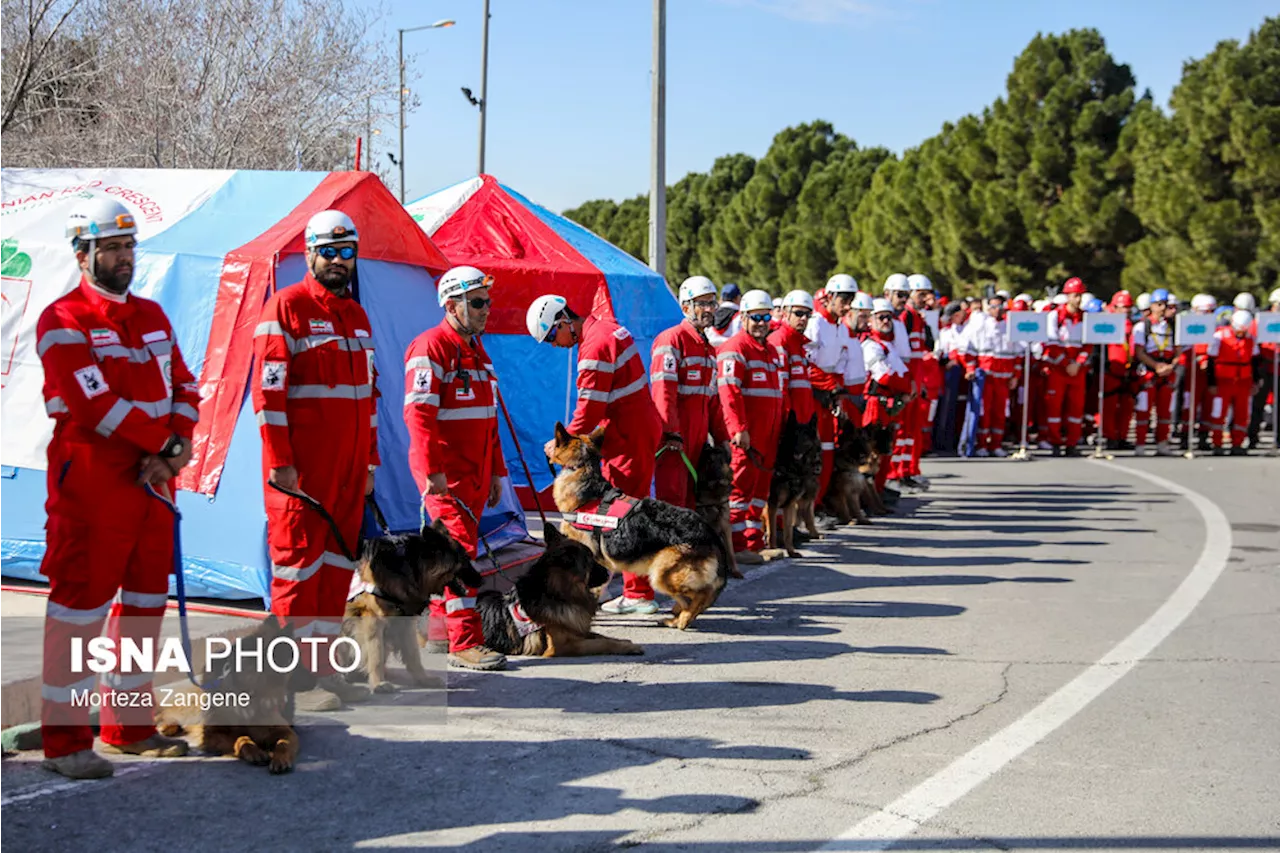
152	337
91	380
621	333
321	327
274	374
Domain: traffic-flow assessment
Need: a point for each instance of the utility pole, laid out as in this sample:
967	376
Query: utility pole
658	144
401	163
484	82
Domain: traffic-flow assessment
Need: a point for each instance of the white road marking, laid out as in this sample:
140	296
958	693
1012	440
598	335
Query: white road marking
137	768
919	805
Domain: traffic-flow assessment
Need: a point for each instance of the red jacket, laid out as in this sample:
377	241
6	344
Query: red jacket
1233	358
750	385
1066	339
683	381
314	387
1120	357
115	384
914	323
614	388
790	346
450	408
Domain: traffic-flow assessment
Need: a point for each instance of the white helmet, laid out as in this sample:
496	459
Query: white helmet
1203	303
799	299
1245	302
755	300
695	286
897	281
460	281
1004	294
330	226
1060	299
1025	297
881	306
542	315
1241	320
1039	304
1143	301
1087	298
1274	298
841	283
918	281
777	302
863	302
98	218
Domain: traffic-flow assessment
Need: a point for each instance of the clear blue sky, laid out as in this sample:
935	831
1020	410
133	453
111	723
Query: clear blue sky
569	79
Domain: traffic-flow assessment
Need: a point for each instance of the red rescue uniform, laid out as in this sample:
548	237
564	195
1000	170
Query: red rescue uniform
450	408
790	346
613	390
1233	370
1064	396
314	391
117	388
682	376
750	382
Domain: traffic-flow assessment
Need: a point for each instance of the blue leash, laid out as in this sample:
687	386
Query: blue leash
181	587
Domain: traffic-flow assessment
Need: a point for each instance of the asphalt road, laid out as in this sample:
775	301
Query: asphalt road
969	675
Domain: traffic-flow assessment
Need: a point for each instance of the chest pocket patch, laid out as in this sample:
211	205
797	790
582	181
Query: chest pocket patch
759	376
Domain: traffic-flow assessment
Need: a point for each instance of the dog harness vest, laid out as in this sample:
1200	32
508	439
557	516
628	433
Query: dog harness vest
601	515
524	625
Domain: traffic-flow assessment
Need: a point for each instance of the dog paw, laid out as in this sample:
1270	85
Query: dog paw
253	754
793	554
385	687
633	649
280	764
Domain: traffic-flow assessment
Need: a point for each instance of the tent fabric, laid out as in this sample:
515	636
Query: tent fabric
531	251
212	246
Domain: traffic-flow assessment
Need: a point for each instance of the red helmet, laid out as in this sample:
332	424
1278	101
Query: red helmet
1122	299
1073	285
944	301
1020	305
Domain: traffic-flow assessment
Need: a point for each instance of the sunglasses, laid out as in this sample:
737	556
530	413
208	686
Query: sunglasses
331	252
802	313
760	318
478	302
555	328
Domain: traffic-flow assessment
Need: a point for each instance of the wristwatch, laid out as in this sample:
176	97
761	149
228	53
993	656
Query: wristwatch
173	448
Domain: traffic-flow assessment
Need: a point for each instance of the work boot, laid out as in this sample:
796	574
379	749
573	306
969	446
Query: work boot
748	558
155	746
478	657
1000	452
1057	451
624	606
317	701
1239	451
85	764
1139	450
1072	451
1163	449
343	689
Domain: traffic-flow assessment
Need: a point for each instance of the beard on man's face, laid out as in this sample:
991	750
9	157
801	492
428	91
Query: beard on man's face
334	277
117	279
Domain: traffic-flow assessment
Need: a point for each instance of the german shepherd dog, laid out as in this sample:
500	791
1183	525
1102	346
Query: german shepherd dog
259	733
398	575
549	611
675	547
848	482
795	476
715	482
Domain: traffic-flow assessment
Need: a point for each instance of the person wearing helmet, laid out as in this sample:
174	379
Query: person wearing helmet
727	321
888	391
1233	374
1152	343
913	339
1270	357
1067	359
124	407
835	363
1244	301
790	342
613	392
450	409
751	384
682	378
315	396
1194	362
1120	380
776	322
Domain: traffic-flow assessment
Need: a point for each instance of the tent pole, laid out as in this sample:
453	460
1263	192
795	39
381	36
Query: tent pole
658	144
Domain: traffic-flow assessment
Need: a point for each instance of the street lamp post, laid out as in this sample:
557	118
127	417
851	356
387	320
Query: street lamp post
484	81
436	26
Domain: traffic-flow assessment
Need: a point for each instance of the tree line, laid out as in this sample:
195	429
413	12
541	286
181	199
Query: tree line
1069	172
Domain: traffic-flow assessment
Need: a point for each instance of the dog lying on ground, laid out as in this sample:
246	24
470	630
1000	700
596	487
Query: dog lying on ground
675	547
395	580
715	482
261	732
795	480
549	611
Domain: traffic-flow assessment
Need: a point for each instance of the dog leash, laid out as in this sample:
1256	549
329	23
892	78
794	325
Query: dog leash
324	513
378	517
181	587
422	509
692	473
502	404
757	459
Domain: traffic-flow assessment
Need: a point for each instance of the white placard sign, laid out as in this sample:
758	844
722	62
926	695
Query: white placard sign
1028	327
931	320
1195	329
1269	327
1100	328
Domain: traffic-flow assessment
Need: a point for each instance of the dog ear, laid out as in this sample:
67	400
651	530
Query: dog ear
562	435
597	437
552	536
598	576
468	575
813	420
439	527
